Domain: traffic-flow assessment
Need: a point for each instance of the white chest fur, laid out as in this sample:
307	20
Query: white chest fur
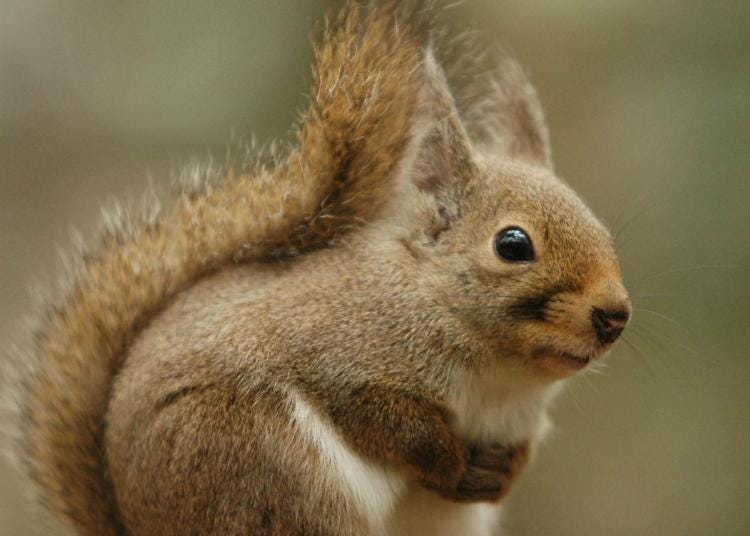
500	406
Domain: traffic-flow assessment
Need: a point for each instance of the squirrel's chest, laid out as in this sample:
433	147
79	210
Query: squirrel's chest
494	408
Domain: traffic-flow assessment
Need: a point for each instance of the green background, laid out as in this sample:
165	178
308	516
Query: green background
649	109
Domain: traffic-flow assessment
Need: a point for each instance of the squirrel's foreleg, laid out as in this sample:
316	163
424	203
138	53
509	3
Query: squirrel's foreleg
404	428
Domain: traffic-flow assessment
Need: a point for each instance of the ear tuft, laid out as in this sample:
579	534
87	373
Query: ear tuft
519	128
499	106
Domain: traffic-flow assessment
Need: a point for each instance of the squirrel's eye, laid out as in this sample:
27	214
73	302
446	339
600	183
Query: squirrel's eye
513	244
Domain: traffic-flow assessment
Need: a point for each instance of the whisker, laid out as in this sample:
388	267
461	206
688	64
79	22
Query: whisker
659	347
637	352
684	269
658	352
617	224
619	233
659	295
598	369
659	315
591	384
668	339
576	401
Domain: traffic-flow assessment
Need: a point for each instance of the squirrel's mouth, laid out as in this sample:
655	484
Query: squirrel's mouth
568	360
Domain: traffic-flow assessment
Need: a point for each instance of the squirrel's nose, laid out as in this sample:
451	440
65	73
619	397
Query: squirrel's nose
608	324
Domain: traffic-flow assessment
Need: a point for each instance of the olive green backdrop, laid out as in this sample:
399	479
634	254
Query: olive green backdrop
649	108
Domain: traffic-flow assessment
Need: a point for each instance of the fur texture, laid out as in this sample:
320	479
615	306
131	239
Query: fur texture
325	342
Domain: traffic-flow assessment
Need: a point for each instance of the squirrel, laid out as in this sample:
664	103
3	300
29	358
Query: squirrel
362	336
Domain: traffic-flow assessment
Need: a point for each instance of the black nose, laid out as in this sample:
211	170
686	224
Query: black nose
609	324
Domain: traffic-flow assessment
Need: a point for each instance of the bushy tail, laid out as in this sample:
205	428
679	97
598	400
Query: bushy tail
365	83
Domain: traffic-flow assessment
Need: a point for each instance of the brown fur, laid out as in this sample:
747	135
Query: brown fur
357	273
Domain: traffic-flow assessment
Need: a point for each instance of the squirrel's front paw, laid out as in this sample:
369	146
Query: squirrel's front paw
490	472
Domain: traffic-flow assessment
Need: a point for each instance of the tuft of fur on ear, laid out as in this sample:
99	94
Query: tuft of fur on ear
438	163
497	102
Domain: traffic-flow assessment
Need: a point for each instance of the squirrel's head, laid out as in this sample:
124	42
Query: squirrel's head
507	247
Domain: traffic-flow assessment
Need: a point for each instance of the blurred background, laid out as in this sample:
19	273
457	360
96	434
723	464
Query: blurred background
649	109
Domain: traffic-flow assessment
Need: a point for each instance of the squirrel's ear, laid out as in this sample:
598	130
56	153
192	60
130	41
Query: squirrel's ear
438	162
502	113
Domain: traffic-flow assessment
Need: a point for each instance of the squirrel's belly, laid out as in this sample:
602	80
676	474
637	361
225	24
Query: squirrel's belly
420	512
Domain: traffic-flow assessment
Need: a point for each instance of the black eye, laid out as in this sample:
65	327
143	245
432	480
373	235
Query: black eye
513	244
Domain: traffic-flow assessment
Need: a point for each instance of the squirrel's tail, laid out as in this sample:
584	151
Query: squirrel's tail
367	69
